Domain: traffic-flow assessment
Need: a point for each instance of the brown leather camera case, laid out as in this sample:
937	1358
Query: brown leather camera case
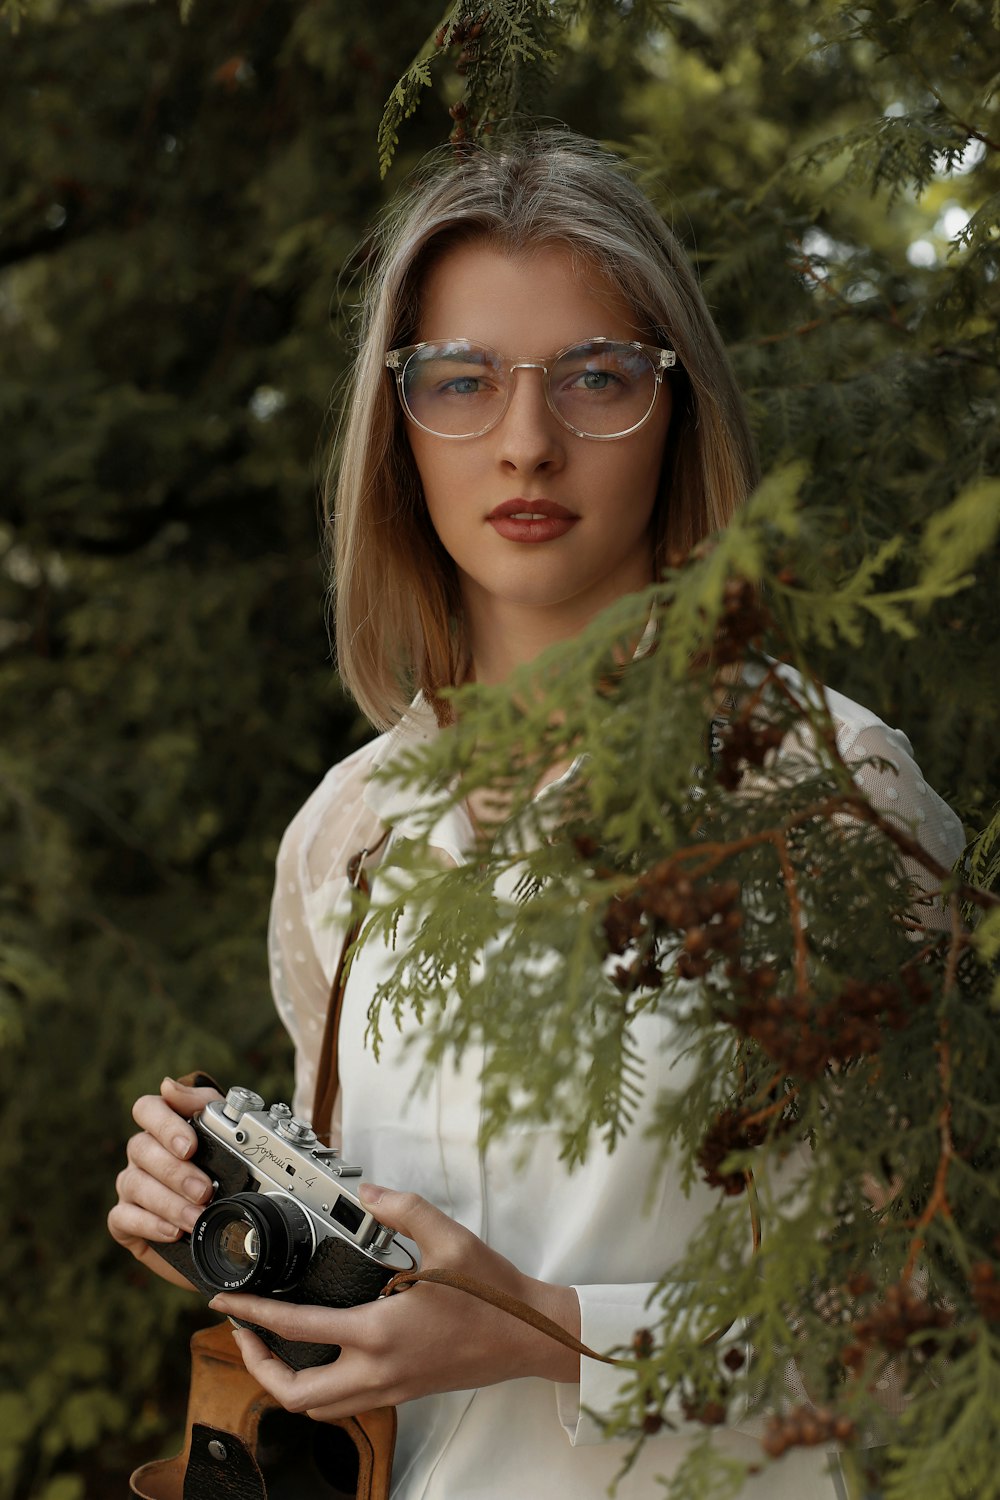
241	1445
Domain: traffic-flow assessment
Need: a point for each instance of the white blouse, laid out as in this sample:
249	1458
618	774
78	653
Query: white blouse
595	1228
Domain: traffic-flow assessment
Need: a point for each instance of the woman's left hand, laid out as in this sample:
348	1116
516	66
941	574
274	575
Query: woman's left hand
423	1340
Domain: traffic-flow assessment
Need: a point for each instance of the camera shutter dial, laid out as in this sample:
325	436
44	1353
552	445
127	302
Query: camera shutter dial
239	1101
296	1130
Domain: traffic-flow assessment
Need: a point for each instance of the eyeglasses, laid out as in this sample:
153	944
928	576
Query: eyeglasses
602	388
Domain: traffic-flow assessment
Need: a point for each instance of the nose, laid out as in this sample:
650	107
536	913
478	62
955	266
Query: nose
529	435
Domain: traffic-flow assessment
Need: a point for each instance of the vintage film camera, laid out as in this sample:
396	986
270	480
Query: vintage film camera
282	1223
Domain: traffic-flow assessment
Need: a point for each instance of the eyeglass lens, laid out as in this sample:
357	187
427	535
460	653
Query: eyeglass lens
457	389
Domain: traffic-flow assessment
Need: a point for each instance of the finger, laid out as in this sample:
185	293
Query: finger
154	1115
187	1099
320	1386
123	1222
436	1234
189	1182
295	1320
127	1222
165	1115
138	1188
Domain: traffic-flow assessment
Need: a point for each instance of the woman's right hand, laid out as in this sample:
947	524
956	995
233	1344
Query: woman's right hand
160	1193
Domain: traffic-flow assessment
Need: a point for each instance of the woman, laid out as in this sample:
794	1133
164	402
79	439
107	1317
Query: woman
541	408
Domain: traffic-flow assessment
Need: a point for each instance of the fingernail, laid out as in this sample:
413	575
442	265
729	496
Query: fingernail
167	1079
182	1145
217	1301
190	1215
371	1193
195	1188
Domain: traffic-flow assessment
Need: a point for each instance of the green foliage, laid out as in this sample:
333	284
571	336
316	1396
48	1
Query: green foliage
571	896
705	1472
502	55
953	539
498	48
949	1457
181	209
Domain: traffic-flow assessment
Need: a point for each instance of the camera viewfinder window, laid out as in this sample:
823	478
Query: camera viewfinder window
348	1214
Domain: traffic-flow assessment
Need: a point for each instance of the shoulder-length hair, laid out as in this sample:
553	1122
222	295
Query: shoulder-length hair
398	609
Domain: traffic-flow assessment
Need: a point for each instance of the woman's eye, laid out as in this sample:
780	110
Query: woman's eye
462	385
597	381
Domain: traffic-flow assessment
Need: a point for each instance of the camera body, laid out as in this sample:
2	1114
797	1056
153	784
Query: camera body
282	1222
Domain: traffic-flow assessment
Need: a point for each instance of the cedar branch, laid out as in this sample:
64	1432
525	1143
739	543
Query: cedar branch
937	1203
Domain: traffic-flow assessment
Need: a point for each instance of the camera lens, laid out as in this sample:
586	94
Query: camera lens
252	1242
237	1246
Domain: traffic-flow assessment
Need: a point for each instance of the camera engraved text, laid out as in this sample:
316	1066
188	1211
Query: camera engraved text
259	1152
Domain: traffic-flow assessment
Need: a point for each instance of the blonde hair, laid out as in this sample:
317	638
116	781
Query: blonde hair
398	609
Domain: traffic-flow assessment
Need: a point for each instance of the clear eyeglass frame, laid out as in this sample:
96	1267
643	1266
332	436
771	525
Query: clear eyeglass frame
660	358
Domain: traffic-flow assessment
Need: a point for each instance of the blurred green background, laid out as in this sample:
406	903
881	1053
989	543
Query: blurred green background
181	217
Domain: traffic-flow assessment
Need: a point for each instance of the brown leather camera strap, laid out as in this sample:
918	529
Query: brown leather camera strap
523	1310
328	1073
496	1298
199	1080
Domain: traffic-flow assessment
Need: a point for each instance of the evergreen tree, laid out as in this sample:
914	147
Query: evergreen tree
763	904
182	206
179	203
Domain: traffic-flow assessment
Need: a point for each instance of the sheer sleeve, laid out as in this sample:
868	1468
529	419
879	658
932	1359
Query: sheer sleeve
886	772
884	767
310	909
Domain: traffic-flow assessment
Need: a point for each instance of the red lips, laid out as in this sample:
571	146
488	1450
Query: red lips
521	520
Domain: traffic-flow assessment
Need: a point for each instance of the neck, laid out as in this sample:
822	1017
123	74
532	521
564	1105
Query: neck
498	653
499	646
504	636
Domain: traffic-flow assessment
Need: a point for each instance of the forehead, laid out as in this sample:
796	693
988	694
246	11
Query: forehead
525	302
